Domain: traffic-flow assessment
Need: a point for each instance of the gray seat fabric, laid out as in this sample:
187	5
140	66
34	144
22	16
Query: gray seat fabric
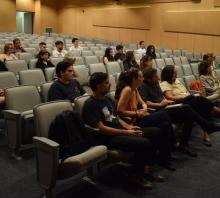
138	56
197	56
169	52
25	56
169	61
32	63
44	91
177	53
32	77
189	55
98	67
188	80
19	118
179	71
32	51
187	70
177	61
91	60
163	55
79	61
113	68
184	60
113	83
16	66
158	55
99	53
194	67
160	63
94	48
55	61
83	73
87	53
49	74
48	164
7	79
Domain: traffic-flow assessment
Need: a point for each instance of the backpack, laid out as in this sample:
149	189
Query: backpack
69	131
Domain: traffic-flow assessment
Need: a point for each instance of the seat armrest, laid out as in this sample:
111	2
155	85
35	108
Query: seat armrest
11	114
213	97
47	159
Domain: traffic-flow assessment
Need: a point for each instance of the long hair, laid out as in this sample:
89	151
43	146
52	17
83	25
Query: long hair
167	74
143	62
131	58
108	55
149	49
125	79
7	47
203	68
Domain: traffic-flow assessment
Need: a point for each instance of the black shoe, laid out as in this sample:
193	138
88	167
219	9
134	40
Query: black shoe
187	151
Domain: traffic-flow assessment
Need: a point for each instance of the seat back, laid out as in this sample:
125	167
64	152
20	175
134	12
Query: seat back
163	55
98	67
169	52
87	53
184	60
45	113
49	73
25	56
32	77
32	63
194	67
113	68
55	61
91	60
177	61
32	51
79	61
22	98
79	103
177	53
179	71
187	70
189	55
83	73
160	63
44	91
7	79
188	80
16	66
169	61
99	53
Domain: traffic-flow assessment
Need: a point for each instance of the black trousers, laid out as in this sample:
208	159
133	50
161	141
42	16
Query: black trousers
164	140
144	152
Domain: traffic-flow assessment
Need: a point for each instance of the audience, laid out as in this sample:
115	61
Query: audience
59	51
146	62
130	105
142	49
75	46
210	84
42	48
108	56
210	59
175	91
44	61
151	52
65	88
119	55
152	94
17	46
130	61
8	53
117	134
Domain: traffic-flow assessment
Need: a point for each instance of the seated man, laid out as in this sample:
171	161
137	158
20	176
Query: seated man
65	88
142	49
59	51
17	46
75	46
42	48
99	112
152	94
119	55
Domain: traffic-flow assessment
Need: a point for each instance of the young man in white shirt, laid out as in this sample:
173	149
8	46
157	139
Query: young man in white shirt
75	46
142	49
59	52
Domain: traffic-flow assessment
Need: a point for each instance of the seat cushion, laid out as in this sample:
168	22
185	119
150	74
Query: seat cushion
77	163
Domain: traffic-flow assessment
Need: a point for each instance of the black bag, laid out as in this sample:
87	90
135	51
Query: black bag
69	131
2	66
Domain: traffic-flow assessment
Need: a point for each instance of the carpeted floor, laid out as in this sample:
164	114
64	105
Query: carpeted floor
194	178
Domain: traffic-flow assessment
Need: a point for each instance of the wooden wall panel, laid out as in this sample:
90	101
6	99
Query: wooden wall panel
25	5
132	18
197	22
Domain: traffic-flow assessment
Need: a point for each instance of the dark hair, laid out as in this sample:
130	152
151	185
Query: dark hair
96	79
144	60
125	79
118	47
74	39
15	40
149	47
167	73
108	55
148	73
41	53
58	42
205	57
42	43
203	68
140	43
129	55
62	67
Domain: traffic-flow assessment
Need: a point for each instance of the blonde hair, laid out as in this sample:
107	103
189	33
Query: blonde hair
7	47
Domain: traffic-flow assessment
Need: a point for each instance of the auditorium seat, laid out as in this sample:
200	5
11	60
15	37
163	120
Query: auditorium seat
158	55
113	68
75	53
47	151
187	70
194	67
44	91
158	49
18	115
25	56
7	79
94	48
55	61
179	71
32	77
87	53
112	82
169	61
184	60
85	48
32	63
79	61
189	79
169	52
176	53
177	61
138	56
91	60
98	67
16	65
32	51
99	53
163	55
49	74
197	56
160	63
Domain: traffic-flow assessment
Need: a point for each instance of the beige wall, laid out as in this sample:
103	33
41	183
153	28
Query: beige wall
79	21
25	5
7	16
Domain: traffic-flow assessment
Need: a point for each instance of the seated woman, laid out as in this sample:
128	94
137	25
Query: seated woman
209	83
130	61
152	94
175	91
8	53
108	56
146	62
43	61
151	52
127	99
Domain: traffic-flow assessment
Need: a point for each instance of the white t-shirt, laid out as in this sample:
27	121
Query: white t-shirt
55	53
141	51
73	48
